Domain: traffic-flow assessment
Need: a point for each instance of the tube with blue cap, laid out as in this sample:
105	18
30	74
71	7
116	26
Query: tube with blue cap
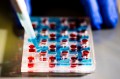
22	13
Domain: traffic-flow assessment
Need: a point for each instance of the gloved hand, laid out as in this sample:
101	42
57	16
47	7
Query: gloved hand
102	13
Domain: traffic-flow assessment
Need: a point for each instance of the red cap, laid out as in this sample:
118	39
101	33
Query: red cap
51	65
34	25
44	20
52	46
31	46
52	25
30	58
30	65
64	40
52	58
52	35
44	40
73	35
73	46
73	65
72	25
84	41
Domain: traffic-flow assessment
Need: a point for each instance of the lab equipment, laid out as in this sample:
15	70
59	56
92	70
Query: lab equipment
66	47
22	13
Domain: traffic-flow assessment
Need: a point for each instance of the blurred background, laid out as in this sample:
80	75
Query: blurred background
104	17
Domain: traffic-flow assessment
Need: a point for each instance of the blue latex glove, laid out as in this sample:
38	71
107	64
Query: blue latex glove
92	10
101	12
109	12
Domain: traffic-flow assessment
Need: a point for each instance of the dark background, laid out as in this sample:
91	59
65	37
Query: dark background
57	8
49	7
